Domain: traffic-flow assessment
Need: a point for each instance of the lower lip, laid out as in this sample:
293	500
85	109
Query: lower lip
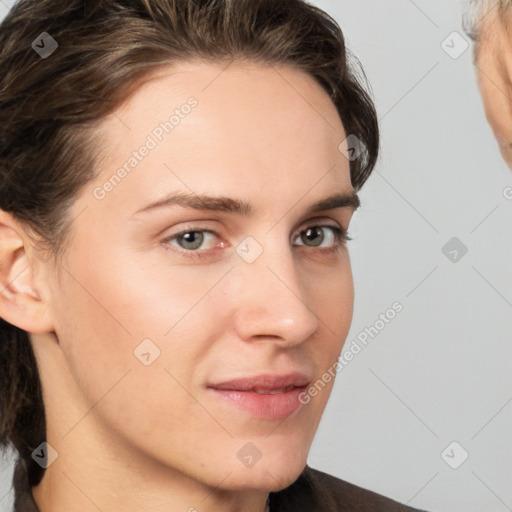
270	407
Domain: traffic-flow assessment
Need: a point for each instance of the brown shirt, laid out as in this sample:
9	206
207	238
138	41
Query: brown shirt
313	491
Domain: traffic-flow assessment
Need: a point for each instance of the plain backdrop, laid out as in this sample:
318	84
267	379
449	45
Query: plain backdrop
423	412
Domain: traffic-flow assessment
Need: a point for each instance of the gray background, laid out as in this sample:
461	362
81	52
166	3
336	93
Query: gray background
440	371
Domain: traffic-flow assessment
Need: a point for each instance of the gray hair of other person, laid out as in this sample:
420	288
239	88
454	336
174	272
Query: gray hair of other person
476	11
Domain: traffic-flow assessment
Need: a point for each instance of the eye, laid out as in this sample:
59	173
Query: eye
315	236
192	240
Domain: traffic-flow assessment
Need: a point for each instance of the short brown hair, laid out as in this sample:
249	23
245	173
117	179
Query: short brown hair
49	108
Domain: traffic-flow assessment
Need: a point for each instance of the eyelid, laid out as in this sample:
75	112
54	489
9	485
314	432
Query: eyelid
324	222
319	221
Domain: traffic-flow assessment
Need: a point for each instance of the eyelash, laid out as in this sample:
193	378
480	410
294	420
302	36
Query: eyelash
340	239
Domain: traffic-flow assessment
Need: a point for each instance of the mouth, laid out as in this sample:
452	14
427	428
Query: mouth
262	391
270	397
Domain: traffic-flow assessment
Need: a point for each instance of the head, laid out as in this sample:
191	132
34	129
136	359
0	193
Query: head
488	23
120	320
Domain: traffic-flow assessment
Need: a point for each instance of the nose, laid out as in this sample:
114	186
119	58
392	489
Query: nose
271	300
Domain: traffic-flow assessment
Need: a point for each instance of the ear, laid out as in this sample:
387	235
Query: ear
21	303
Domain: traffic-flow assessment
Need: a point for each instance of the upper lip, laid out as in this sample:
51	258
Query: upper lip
265	381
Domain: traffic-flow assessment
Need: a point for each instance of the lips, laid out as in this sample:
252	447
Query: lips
265	383
268	397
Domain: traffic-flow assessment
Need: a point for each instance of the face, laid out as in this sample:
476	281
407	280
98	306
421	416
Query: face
494	73
185	335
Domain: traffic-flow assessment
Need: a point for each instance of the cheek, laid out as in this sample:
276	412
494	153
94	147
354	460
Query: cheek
332	296
124	311
105	311
332	300
111	320
497	109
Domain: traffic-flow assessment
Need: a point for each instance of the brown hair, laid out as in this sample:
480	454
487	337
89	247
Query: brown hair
50	107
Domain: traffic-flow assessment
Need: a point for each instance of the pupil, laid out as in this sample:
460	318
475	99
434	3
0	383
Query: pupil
315	231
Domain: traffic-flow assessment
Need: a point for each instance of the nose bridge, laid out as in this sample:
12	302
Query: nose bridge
271	295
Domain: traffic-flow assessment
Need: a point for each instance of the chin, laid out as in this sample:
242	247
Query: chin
271	475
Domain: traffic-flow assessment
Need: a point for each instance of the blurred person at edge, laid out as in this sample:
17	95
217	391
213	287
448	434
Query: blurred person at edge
489	24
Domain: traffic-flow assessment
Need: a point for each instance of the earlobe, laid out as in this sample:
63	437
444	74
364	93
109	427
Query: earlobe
21	303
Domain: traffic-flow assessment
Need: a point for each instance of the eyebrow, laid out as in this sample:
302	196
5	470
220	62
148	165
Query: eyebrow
239	207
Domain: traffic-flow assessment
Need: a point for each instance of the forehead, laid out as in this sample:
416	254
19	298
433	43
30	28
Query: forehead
251	125
229	96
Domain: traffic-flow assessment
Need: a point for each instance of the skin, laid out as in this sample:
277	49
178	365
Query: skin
493	59
132	437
